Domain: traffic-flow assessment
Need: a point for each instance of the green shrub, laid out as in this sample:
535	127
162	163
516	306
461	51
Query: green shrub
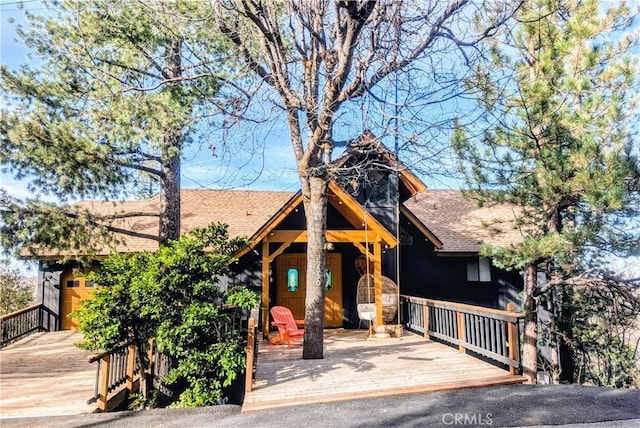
173	296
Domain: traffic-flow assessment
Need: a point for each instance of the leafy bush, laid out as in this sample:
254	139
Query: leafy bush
172	295
16	291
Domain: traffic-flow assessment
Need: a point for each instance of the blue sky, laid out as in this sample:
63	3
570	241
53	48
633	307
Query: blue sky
271	167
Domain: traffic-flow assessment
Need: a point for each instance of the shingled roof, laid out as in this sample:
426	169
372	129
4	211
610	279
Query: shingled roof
453	223
244	211
459	224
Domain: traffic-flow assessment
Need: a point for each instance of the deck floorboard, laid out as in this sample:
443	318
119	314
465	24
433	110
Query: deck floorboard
356	367
44	374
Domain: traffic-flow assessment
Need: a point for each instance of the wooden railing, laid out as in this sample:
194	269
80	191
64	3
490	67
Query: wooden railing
491	333
118	374
117	377
25	321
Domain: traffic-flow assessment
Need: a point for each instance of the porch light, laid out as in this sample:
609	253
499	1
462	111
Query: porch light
329	280
292	280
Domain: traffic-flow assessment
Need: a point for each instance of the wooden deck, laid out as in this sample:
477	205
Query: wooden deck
45	375
354	367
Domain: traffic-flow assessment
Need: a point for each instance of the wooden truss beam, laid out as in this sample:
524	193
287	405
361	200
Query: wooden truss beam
300	236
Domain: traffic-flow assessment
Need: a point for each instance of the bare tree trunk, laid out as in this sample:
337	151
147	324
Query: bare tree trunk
530	348
315	206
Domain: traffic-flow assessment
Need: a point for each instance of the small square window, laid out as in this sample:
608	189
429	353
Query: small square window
479	270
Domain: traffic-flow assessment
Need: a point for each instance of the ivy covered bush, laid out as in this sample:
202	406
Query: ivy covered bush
173	296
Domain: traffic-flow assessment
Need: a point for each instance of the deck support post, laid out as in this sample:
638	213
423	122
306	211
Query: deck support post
251	338
131	368
104	382
265	289
377	279
425	317
512	338
461	338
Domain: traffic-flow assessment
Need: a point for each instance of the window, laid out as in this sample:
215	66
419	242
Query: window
73	284
405	237
479	270
378	188
292	279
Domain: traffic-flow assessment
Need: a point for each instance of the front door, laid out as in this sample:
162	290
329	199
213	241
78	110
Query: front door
75	289
292	269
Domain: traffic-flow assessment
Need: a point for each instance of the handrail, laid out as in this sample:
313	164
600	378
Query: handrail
31	319
118	374
488	332
463	307
19	311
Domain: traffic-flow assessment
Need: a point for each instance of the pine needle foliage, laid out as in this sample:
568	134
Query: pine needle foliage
561	103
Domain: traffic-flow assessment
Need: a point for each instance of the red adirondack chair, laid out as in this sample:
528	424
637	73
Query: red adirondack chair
288	329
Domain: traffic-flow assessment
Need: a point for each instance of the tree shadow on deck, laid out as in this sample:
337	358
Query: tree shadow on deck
344	350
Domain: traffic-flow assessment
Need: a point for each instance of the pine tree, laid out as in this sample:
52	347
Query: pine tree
561	146
111	101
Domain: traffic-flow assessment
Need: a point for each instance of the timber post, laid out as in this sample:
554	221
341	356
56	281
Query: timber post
512	338
131	368
251	339
425	318
150	357
265	289
460	326
377	280
104	382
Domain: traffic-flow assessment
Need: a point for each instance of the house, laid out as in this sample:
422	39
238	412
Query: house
426	241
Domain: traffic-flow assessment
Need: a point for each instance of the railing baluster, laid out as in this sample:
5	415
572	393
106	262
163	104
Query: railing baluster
492	335
468	320
499	336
